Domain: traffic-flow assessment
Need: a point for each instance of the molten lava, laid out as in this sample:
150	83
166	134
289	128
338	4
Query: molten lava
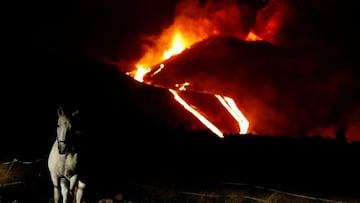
205	121
230	105
204	51
178	44
196	21
253	37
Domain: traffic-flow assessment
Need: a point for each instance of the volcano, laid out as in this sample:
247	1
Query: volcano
282	91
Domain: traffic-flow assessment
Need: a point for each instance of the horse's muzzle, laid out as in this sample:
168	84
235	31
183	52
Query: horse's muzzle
62	148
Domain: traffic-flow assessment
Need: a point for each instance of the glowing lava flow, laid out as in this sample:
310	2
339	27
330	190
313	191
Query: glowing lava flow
252	37
140	73
177	45
227	102
205	121
230	105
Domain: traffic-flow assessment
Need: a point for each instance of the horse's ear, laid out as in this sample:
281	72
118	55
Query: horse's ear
60	111
75	113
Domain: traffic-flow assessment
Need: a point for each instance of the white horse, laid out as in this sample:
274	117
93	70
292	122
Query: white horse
63	161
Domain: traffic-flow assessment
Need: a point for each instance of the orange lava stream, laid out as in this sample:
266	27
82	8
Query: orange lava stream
175	40
230	105
201	118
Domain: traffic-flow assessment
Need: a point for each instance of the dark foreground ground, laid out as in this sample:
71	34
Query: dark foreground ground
199	168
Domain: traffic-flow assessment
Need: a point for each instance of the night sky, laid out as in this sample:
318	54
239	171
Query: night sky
106	28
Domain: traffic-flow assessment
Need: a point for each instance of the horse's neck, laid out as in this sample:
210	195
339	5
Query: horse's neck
71	149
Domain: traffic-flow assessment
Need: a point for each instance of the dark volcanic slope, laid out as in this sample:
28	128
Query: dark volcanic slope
111	103
280	90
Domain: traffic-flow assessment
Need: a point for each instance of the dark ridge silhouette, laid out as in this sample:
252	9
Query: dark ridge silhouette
106	98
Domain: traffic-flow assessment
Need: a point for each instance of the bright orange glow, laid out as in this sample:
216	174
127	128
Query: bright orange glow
177	46
182	87
140	73
206	122
253	37
159	69
230	105
172	42
195	22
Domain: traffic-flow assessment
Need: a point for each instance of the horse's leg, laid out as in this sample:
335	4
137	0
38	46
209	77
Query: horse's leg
55	181
80	191
73	181
64	189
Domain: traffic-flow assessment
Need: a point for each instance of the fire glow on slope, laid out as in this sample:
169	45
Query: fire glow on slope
230	105
205	121
227	102
178	44
195	21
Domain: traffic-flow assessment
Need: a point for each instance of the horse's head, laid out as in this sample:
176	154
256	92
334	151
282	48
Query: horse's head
65	130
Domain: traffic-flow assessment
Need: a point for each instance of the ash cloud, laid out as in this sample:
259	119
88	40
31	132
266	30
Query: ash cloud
212	17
